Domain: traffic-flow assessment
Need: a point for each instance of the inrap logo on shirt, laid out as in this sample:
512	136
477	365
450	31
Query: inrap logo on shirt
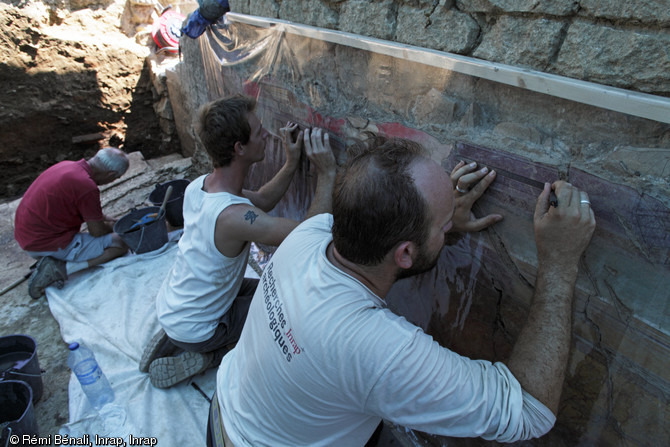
280	329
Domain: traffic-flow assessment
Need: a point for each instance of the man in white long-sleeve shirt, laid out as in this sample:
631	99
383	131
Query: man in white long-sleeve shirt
321	360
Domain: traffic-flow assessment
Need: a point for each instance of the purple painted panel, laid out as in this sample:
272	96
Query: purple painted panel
639	222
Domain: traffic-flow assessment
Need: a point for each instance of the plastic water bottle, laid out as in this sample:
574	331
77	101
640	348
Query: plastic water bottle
93	381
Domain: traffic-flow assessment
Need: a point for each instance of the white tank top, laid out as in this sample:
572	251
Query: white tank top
203	283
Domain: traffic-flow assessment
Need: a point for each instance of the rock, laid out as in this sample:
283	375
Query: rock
629	161
520	41
83	4
616	56
549	7
517	131
374	19
185	105
434	107
643	11
163	109
314	12
239	6
472	117
268	8
444	29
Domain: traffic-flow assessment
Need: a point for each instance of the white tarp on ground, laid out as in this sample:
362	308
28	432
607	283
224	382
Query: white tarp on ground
111	309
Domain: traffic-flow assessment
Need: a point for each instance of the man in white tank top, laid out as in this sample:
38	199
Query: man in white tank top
203	303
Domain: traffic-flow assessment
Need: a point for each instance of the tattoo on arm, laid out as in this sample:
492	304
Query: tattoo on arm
251	216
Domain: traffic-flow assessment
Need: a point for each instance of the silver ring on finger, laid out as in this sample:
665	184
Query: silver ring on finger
585	201
461	190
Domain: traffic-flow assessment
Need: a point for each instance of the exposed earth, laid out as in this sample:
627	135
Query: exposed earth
74	79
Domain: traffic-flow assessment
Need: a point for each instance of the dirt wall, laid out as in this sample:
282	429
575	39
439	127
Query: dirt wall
73	82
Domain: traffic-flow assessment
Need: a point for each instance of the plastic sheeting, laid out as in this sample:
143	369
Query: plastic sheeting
111	309
475	301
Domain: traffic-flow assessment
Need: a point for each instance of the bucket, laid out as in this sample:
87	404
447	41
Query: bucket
166	30
174	210
17	414
18	361
144	238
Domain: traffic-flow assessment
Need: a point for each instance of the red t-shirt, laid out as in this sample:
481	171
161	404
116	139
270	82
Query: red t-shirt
56	204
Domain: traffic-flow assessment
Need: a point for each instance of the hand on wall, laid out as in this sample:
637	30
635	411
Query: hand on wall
469	185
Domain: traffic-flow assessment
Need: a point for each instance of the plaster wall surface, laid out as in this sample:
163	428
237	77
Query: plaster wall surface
617	391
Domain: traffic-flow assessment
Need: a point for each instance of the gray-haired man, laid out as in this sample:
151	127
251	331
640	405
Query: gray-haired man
49	217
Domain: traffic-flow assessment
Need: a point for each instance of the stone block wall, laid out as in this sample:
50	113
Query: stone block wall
617	391
618	43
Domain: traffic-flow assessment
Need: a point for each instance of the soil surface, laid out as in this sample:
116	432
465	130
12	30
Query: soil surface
73	82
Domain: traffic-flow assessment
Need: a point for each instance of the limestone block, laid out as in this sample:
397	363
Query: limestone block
445	29
133	189
472	116
368	18
168	127
158	64
241	6
427	4
434	107
522	132
313	12
550	7
521	41
141	12
265	8
615	56
644	11
182	110
185	83
163	108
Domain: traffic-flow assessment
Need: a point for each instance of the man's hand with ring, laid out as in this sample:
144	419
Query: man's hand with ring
563	233
469	185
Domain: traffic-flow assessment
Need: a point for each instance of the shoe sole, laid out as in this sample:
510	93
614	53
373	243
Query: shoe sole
34	291
169	371
37	292
159	346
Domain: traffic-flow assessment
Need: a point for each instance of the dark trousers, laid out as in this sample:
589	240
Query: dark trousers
230	326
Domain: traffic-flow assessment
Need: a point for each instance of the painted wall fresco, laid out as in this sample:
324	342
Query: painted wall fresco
617	390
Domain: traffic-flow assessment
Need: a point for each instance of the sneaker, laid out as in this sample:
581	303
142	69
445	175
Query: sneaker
168	371
159	346
48	271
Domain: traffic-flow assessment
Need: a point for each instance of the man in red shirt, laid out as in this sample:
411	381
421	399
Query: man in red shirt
51	212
